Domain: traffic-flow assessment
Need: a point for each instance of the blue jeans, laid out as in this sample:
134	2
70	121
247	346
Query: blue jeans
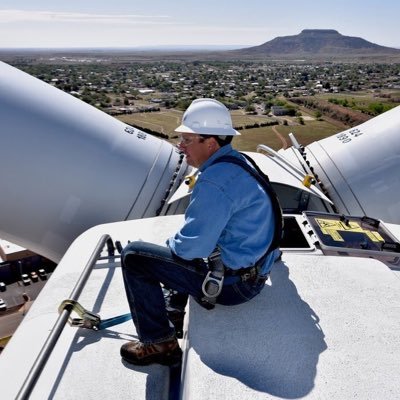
146	265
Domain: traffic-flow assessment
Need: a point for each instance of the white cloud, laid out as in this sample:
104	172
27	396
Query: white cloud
13	16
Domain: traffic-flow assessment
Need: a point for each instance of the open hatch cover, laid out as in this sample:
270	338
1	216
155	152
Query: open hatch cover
353	236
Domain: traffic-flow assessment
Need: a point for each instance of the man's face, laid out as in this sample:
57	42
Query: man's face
197	149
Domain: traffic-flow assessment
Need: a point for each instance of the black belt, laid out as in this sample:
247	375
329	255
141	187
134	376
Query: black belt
242	271
250	274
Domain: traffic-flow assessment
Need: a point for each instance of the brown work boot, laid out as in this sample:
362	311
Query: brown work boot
177	317
165	353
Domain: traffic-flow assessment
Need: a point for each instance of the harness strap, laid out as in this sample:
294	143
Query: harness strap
266	184
213	282
106	323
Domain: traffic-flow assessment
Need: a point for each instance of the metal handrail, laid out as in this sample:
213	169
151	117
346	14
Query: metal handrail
58	327
295	171
282	159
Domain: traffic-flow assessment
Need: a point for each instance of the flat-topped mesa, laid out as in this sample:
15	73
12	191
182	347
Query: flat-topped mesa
312	42
320	31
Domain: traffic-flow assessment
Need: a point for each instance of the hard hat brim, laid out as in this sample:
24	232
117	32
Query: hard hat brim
207	131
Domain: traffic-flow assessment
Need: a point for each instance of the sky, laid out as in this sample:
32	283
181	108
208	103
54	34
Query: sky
154	23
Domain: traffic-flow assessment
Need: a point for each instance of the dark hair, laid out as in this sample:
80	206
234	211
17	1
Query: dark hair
221	140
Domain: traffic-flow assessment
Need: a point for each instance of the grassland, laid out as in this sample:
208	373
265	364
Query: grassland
315	125
369	103
305	134
166	121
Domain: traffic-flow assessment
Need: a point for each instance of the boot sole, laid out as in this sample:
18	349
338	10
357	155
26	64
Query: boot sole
168	360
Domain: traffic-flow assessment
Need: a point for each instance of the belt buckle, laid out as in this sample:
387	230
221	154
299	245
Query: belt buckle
249	275
245	277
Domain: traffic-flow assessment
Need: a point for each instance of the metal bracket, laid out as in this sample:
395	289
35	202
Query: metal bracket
86	318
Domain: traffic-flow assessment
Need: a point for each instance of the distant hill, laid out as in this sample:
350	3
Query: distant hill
318	42
314	45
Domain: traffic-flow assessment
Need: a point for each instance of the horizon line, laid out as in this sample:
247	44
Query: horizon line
142	47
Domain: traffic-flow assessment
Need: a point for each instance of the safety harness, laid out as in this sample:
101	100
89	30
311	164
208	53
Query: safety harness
213	282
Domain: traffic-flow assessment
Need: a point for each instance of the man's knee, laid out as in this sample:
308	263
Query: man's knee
140	252
130	251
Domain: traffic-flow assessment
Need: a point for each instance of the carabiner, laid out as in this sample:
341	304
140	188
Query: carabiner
86	318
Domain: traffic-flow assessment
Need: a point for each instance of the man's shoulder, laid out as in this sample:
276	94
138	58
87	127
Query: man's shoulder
222	167
225	176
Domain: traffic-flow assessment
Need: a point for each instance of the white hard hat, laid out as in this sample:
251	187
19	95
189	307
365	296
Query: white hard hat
207	117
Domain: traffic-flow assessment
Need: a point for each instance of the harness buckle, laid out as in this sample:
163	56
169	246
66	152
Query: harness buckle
212	285
214	280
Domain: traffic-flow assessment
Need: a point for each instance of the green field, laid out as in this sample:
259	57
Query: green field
164	121
167	120
305	134
367	102
276	137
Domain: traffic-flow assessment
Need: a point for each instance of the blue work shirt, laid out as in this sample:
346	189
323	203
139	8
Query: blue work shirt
228	208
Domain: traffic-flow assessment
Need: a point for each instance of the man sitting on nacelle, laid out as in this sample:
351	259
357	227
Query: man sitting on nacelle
225	249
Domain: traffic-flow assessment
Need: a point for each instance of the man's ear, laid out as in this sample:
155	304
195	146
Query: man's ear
213	144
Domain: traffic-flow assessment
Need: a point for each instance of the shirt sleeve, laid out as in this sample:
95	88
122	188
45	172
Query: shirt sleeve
206	217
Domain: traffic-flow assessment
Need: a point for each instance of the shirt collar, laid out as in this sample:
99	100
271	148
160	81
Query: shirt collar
224	150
